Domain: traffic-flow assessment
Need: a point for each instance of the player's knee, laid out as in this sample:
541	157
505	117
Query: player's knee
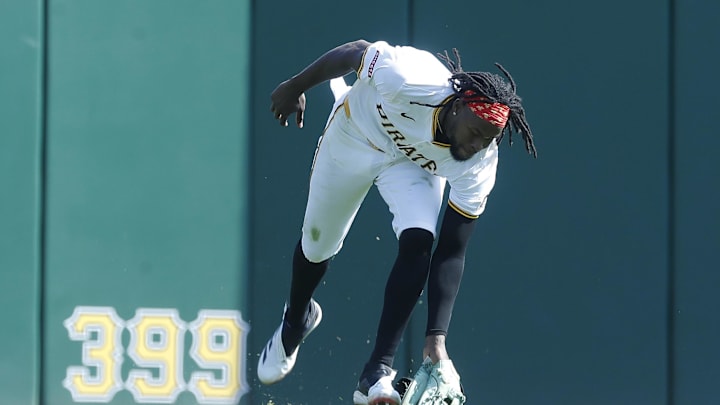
416	241
316	251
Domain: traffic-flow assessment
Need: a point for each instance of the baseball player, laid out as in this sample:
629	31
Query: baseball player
409	123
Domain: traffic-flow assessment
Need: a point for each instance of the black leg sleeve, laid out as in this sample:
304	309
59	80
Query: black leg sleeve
403	288
446	270
306	276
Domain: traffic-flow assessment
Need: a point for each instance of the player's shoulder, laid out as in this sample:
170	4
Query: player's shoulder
413	65
385	49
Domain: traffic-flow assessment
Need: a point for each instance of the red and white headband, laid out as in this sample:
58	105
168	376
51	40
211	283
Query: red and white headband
494	113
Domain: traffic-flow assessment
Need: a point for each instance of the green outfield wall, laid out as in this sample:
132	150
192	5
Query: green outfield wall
21	44
150	203
696	198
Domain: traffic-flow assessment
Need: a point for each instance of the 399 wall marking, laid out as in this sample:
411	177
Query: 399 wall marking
157	340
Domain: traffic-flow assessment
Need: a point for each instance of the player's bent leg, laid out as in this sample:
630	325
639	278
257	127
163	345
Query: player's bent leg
376	387
275	362
343	171
402	290
338	185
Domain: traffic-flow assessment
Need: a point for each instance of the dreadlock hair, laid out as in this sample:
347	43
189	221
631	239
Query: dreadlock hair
496	90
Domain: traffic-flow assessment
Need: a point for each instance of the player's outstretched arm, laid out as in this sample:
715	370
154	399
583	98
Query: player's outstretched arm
289	96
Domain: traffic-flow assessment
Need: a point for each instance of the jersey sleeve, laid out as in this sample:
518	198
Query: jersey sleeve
469	192
397	70
379	69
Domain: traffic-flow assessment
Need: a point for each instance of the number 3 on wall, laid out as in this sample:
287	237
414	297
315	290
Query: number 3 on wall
100	330
157	342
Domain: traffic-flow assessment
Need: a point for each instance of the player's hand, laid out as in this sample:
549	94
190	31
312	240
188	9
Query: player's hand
286	100
435	384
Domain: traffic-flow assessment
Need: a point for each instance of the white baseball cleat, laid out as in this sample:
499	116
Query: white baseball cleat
381	392
274	363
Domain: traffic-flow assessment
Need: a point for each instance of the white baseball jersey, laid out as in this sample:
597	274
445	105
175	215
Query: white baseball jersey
382	103
376	135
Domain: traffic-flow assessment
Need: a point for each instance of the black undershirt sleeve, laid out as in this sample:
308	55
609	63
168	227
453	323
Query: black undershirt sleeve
446	270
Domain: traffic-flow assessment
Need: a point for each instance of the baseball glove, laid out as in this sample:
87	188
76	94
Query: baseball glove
434	384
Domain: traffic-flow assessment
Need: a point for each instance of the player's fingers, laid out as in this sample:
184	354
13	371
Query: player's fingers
299	116
280	117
